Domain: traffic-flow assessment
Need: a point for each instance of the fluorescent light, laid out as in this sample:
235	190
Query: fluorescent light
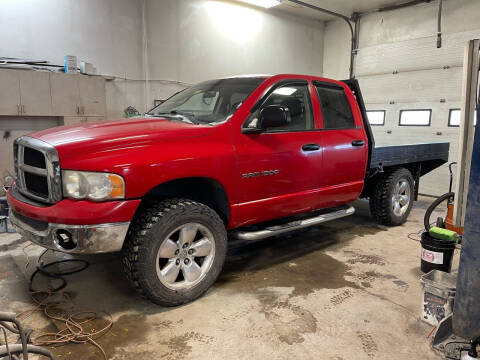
263	3
239	23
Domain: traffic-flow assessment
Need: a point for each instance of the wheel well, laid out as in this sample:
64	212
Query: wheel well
414	168
204	190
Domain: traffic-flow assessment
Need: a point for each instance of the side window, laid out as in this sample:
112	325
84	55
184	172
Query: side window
336	111
297	98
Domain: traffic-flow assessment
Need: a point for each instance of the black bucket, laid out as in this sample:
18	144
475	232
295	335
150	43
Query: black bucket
436	254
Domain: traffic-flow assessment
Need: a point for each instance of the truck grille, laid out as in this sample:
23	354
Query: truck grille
37	170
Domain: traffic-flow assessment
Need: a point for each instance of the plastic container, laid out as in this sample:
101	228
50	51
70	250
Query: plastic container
436	254
438	296
443	234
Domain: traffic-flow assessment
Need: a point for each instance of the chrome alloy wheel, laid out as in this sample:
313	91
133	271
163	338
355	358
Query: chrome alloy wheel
401	197
185	256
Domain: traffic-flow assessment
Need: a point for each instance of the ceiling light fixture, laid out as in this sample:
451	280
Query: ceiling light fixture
263	3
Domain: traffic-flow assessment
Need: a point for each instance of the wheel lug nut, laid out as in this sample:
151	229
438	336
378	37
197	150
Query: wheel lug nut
177	262
177	252
185	245
191	251
186	261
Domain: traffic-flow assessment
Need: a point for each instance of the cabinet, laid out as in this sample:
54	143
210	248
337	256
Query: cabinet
65	94
75	120
74	95
35	97
92	96
25	92
41	93
9	92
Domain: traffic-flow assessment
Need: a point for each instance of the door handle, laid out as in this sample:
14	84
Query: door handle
311	147
358	143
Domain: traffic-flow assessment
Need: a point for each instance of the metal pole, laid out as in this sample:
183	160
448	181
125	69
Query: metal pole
439	24
467	130
466	314
341	16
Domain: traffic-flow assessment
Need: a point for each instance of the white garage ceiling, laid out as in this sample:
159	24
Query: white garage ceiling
345	7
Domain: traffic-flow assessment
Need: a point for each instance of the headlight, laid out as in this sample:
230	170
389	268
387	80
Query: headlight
92	185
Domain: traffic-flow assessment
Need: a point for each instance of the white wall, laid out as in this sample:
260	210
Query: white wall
404	41
336	50
171	42
195	40
107	33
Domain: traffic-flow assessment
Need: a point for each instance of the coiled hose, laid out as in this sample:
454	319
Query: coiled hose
433	206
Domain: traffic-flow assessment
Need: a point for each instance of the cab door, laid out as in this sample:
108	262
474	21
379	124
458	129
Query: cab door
278	169
344	145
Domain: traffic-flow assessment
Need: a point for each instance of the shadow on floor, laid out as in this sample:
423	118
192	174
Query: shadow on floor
104	284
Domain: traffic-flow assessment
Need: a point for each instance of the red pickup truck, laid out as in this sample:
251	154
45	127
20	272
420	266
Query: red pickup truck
240	158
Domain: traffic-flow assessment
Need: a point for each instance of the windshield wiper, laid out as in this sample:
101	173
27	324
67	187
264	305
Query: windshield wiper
190	117
187	114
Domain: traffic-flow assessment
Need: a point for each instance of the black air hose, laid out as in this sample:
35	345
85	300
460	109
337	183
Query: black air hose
473	350
433	206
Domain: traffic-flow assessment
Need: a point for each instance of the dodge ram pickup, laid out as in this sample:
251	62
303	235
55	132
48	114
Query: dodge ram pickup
236	158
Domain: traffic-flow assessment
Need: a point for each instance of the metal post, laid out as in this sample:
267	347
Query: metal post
467	130
466	314
341	16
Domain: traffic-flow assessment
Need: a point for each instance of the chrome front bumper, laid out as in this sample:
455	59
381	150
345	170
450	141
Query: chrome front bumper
87	239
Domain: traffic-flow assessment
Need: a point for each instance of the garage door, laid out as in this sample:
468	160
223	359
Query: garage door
394	82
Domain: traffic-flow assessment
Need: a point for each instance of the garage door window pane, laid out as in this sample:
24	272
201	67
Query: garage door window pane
454	118
415	117
376	117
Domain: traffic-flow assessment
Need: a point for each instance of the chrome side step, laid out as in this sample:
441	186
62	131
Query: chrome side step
294	225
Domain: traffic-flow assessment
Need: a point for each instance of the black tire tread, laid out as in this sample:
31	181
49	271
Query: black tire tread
136	244
379	199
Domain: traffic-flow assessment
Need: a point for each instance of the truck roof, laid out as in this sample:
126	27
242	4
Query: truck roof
287	76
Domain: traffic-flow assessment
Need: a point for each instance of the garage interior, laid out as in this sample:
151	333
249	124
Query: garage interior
344	289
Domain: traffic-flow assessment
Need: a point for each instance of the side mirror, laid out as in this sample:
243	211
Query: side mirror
274	116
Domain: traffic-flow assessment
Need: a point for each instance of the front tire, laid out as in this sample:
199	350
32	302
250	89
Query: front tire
392	197
175	250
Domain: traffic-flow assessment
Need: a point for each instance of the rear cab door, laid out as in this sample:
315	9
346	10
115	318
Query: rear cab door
344	144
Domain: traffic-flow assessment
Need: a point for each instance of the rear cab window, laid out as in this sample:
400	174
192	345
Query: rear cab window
334	105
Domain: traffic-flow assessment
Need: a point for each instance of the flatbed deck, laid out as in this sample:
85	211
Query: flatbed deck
430	155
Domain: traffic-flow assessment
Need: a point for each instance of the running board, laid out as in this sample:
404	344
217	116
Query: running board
294	225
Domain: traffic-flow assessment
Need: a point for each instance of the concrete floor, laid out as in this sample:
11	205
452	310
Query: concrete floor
348	289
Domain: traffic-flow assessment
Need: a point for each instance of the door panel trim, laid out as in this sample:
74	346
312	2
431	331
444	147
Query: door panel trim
256	211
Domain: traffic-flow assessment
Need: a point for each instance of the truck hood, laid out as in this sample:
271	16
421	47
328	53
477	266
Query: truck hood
118	134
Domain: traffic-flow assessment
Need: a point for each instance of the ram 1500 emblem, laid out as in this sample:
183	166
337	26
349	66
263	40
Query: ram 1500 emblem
260	173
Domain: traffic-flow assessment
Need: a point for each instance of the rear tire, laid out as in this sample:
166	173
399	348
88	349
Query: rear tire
174	251
392	197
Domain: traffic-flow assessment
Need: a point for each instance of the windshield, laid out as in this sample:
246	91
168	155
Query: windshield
208	102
